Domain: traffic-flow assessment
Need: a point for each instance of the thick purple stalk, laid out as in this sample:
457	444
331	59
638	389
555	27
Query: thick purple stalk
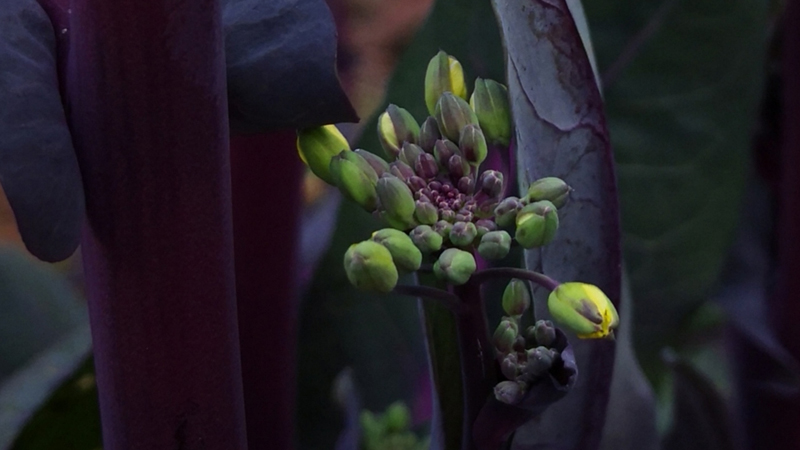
267	201
147	101
477	357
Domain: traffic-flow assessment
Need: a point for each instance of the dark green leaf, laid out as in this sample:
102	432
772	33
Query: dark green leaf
38	167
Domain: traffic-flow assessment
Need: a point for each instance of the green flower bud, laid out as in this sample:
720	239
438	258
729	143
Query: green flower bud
452	114
397	202
443	227
540	360
444	74
409	153
536	224
544	333
379	165
455	266
490	103
429	134
510	366
516	298
426	239
463	233
495	245
505	335
369	266
317	146
509	392
355	178
505	214
425	213
396	126
584	309
397	418
473	145
552	189
405	254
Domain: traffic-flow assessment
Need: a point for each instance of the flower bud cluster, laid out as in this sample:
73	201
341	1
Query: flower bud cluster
524	355
434	188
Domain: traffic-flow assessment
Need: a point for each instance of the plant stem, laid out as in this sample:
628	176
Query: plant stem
511	272
431	293
477	357
267	305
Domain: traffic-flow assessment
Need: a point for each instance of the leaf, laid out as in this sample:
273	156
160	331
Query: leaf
561	132
281	59
38	167
700	417
680	115
52	401
631	422
39	308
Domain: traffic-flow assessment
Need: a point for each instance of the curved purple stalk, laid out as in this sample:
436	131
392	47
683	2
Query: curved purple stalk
147	101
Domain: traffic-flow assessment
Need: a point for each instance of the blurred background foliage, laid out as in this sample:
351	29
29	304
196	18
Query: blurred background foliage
682	82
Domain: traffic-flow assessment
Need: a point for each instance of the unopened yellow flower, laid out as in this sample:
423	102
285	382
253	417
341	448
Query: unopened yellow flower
584	309
317	146
444	74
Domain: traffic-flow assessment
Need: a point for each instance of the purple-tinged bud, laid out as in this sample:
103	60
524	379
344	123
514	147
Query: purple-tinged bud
457	167
552	189
540	360
509	392
397	201
409	153
495	245
505	335
463	233
516	297
426	239
401	170
417	184
426	166
485	226
490	103
492	183
426	213
396	126
510	366
443	227
405	254
452	114
447	214
455	266
466	185
484	208
379	165
369	266
537	224
473	145
429	134
505	214
544	332
443	150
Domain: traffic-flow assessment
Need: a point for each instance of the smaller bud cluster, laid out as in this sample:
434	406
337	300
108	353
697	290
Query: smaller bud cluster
524	355
390	430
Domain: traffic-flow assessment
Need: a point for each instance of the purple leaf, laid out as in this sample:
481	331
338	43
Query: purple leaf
561	131
38	168
281	58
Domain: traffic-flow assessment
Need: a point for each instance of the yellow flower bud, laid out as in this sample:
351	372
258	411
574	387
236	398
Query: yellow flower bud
444	74
584	309
317	146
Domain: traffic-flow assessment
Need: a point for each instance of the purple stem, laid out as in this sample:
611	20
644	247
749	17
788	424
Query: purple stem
267	201
477	357
147	99
512	272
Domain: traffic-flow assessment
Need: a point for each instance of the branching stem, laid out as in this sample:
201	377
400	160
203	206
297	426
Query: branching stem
511	272
431	293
